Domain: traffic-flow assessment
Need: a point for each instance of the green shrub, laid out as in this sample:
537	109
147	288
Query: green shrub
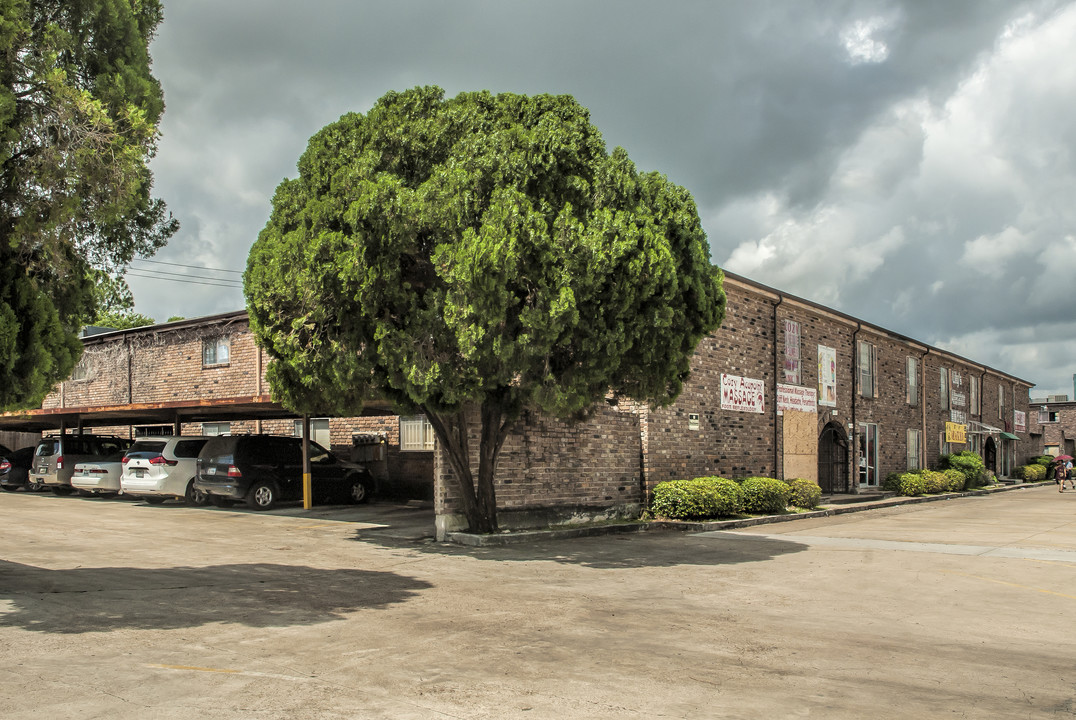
912	484
956	480
935	482
892	482
1043	460
805	494
1032	473
696	499
765	495
969	463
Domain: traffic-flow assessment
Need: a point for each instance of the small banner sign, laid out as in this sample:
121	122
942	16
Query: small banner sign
956	433
794	397
1020	420
742	394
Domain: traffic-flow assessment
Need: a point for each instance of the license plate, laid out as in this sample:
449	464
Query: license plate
211	471
139	473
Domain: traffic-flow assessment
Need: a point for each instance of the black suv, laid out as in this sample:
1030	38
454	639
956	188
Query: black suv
263	469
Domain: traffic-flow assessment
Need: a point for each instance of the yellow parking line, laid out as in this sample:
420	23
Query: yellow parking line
1015	585
196	669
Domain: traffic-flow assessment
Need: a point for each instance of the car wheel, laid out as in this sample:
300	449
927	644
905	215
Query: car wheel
358	489
262	496
194	496
219	501
154	499
34	486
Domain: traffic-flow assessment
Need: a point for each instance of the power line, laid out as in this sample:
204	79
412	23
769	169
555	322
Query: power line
181	279
193	267
165	273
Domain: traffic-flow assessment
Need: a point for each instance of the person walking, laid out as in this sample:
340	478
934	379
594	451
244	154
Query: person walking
1059	476
1068	474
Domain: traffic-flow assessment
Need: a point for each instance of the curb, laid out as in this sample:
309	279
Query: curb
527	536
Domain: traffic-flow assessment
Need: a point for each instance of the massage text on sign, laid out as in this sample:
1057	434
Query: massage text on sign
793	397
742	394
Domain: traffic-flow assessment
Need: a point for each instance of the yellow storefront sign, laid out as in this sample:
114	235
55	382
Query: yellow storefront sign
956	433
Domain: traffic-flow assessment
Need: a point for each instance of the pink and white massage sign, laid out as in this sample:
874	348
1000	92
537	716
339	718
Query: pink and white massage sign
742	394
796	398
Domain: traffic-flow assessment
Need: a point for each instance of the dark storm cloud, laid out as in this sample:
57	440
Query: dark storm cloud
905	161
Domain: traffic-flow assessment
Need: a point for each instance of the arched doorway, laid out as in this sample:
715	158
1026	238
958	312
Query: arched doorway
833	459
990	455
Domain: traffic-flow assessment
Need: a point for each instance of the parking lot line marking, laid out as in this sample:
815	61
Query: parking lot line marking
1011	584
196	669
312	527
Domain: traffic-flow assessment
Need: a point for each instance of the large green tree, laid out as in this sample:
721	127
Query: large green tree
79	112
474	257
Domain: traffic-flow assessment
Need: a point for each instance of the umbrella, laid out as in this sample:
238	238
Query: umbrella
1062	458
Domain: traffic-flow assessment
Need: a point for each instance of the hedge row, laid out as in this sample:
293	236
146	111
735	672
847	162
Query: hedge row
925	482
1031	473
712	497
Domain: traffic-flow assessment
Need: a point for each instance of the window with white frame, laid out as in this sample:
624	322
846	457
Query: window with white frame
913	381
319	431
416	434
868	453
915	439
943	388
973	383
1001	402
217	428
868	374
215	351
1046	415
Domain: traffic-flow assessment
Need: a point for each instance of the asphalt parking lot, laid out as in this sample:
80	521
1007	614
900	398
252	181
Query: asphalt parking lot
112	609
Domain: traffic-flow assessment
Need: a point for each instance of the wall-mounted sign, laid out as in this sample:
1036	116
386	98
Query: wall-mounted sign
1020	420
794	397
742	394
792	352
827	376
958	399
958	416
956	433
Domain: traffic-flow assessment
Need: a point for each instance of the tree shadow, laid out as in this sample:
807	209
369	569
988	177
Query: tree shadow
82	600
657	548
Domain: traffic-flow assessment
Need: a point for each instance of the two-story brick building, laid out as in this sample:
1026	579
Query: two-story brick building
785	388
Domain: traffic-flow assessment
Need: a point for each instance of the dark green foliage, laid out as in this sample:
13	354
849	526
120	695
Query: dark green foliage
805	494
78	125
1031	473
474	257
765	495
1044	460
892	482
912	484
697	499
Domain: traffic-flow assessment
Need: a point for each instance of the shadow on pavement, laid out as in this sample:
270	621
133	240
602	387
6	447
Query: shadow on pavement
638	550
84	600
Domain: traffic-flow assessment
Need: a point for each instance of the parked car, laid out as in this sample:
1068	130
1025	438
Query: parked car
100	477
55	457
17	474
264	469
159	468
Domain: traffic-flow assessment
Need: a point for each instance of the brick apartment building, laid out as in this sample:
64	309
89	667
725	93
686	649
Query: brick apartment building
785	388
1054	421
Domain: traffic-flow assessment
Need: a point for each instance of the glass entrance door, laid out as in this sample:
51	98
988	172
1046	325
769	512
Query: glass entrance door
868	454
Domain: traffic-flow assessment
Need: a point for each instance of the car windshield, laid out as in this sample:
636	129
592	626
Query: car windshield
320	455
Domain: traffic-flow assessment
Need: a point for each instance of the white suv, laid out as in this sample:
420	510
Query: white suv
158	468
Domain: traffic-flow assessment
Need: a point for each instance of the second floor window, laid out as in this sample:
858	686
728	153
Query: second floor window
913	381
868	370
943	388
215	351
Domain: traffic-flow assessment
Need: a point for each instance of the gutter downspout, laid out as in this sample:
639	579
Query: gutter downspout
854	434
923	407
778	466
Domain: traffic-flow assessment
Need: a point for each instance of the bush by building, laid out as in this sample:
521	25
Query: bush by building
697	499
765	495
805	494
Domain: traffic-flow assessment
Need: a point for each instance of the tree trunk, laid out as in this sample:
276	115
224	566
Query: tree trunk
479	499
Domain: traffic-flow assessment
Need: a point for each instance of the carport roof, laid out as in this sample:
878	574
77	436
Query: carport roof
256	407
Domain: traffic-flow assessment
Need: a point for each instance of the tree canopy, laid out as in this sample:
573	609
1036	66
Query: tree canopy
474	257
79	111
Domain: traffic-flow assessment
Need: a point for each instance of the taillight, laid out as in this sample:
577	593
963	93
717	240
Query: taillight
60	462
4	466
98	471
162	460
233	471
125	460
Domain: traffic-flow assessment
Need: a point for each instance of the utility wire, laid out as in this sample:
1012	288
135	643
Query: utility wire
185	276
194	267
179	279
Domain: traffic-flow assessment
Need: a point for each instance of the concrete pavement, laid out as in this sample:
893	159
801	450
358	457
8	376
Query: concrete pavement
118	610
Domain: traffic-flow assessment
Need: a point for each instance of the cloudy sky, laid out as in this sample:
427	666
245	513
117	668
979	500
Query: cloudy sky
910	163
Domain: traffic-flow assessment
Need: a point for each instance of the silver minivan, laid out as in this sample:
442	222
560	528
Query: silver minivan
56	456
159	468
